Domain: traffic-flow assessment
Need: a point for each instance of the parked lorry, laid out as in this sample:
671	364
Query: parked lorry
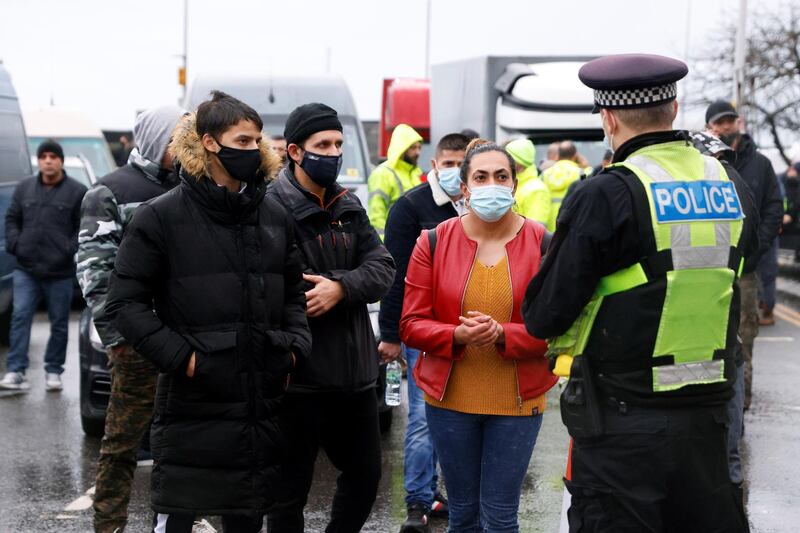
510	97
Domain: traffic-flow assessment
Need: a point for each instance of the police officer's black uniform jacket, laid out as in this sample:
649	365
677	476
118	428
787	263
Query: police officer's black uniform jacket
598	234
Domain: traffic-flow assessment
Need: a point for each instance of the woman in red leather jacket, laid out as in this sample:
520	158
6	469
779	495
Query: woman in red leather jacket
483	375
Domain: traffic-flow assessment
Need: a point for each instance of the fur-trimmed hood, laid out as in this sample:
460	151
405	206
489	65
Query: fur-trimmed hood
187	148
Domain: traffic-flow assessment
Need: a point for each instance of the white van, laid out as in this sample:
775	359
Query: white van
74	131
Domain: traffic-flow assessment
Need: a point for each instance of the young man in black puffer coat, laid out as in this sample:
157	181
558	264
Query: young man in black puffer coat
207	285
331	402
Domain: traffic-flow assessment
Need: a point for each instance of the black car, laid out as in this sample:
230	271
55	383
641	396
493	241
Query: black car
95	378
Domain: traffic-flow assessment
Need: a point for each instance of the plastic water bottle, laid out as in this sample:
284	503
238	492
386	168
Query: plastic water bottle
394	376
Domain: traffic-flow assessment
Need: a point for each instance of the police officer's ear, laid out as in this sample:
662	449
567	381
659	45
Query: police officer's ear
610	123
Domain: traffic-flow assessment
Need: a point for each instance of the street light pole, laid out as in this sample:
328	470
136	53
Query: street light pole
182	77
740	53
428	39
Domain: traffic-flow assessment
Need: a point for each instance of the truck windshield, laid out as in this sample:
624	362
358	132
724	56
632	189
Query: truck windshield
353	170
14	164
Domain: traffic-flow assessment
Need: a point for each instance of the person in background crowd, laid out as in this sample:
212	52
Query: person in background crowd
709	145
330	403
124	150
395	176
756	170
470	134
560	176
607	156
552	157
422	208
767	271
105	213
532	196
278	145
791	219
42	235
207	285
483	375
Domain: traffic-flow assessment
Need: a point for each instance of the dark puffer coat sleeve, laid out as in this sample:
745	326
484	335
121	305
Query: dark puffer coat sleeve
295	325
371	280
139	267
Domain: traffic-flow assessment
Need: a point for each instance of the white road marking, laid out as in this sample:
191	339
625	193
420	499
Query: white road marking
775	339
81	503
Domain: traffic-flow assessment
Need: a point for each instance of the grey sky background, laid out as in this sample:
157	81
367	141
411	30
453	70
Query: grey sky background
110	58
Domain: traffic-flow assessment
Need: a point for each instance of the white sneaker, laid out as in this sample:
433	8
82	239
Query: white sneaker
53	382
14	381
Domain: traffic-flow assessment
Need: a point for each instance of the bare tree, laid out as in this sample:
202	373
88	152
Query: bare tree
772	73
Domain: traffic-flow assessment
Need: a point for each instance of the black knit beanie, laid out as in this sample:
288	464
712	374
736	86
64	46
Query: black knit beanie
51	146
307	120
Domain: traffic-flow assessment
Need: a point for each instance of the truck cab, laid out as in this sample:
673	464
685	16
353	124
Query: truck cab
509	97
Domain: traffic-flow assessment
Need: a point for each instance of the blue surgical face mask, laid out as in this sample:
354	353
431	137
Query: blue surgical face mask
450	180
491	202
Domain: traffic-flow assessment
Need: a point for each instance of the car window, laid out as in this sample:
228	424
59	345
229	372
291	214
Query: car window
14	163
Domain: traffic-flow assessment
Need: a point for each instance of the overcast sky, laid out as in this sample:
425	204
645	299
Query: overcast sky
110	58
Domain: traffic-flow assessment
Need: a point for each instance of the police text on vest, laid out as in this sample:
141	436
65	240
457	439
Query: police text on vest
686	201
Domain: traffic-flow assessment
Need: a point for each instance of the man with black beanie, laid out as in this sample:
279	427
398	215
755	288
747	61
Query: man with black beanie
331	402
42	233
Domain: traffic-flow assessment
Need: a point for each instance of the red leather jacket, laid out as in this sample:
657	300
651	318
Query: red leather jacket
433	298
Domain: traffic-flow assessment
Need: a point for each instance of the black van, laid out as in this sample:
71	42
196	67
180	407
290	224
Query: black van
15	164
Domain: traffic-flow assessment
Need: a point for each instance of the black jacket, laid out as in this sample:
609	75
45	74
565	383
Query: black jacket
597	234
338	242
756	170
42	226
216	273
413	212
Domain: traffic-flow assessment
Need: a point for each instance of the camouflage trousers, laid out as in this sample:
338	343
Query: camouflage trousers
133	389
748	328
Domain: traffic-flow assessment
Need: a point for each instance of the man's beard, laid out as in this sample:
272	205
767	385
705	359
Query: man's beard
411	161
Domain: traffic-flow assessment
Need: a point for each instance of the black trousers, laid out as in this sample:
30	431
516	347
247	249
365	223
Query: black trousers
655	471
346	427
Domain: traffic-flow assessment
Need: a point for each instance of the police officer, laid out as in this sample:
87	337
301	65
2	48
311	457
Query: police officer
639	286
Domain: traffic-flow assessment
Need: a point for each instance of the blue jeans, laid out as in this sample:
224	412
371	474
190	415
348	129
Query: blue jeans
28	292
736	415
419	461
484	459
767	274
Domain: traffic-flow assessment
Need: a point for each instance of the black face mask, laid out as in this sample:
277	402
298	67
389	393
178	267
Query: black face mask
242	165
730	138
322	169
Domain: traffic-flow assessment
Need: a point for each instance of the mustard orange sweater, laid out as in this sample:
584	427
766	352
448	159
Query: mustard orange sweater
481	382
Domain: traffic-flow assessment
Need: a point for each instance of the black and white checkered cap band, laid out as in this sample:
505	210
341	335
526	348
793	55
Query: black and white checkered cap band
636	97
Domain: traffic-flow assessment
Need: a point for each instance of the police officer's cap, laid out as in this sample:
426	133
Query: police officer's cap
628	81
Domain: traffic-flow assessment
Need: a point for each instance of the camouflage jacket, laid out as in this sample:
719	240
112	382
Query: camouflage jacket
106	211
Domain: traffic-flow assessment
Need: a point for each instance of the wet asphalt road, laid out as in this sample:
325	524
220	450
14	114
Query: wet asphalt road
47	464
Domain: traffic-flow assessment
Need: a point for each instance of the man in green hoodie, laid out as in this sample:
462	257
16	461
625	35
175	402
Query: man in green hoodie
398	174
